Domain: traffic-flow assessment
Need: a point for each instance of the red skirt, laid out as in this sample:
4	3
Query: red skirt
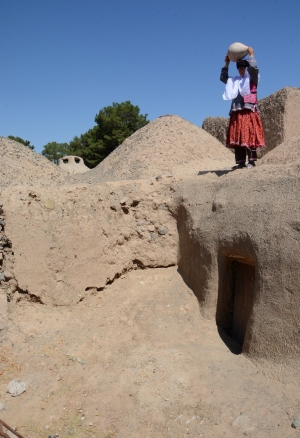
245	129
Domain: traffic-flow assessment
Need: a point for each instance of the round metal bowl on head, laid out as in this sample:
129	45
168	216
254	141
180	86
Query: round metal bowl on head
237	51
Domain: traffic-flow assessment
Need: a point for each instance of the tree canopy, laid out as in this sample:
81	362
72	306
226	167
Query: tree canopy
54	151
114	124
89	147
20	140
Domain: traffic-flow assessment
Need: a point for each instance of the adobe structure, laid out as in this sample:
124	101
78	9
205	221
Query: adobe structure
72	164
240	218
234	239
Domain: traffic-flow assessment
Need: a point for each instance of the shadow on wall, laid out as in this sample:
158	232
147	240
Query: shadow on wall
195	260
222	279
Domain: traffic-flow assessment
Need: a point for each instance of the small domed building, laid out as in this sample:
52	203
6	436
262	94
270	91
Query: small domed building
73	164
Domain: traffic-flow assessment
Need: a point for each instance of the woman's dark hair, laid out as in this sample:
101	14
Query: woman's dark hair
242	63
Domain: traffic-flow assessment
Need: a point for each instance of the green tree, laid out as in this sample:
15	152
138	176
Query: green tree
20	140
89	147
114	124
117	122
54	151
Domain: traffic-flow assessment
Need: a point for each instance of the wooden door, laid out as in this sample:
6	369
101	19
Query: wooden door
243	300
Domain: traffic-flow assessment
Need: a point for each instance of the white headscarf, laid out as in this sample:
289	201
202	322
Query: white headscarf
236	85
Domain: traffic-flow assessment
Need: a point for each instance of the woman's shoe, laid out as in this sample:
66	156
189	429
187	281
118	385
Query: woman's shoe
250	164
239	166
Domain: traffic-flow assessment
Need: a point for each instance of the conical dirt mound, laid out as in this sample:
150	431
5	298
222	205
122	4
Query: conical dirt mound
287	152
21	166
167	145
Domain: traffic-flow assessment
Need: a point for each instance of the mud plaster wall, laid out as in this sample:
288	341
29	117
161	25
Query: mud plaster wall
292	113
72	241
280	113
273	109
217	127
258	220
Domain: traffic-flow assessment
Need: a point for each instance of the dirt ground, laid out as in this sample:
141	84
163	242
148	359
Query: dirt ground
137	360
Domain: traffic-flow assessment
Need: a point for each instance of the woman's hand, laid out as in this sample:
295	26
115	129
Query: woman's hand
250	51
227	61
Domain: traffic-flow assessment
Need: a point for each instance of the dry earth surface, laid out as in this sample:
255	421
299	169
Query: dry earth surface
136	359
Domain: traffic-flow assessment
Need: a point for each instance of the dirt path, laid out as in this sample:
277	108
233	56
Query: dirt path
137	360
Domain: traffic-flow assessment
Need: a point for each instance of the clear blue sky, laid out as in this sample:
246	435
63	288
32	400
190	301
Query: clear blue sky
64	60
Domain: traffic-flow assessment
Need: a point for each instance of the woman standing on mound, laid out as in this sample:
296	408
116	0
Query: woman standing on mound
245	132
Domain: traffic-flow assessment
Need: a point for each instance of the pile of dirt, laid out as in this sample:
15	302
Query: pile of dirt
286	153
21	166
167	145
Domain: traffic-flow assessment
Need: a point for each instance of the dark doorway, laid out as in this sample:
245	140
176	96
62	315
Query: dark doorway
235	301
243	285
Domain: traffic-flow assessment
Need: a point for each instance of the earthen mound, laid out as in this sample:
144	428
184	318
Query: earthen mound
21	166
287	152
167	145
